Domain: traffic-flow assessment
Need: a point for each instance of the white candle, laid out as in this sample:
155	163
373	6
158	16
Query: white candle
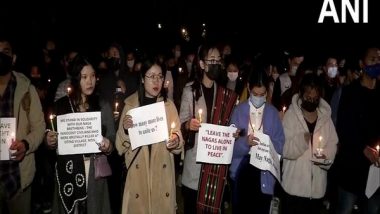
172	126
283	109
116	105
51	122
200	111
319	147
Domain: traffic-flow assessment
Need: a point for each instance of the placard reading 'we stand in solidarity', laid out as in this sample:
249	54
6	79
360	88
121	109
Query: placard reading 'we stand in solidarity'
79	133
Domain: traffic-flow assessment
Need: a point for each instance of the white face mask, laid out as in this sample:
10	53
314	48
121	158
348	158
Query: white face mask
130	63
275	76
332	72
232	76
293	70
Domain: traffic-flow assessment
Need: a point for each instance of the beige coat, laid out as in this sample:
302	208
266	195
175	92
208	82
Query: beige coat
30	127
150	183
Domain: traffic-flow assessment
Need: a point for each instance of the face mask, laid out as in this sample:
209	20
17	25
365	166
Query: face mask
309	106
256	101
177	54
130	63
293	70
373	70
5	64
275	76
332	72
213	71
232	76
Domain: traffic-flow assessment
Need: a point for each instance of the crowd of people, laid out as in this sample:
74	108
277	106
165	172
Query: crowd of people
322	120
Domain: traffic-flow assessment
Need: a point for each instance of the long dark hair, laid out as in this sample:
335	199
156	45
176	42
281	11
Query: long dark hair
311	81
75	68
202	54
145	66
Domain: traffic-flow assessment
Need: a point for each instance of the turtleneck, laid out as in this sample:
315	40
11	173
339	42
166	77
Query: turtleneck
149	100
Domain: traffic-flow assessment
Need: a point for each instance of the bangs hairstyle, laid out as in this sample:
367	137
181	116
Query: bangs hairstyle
258	78
311	81
145	66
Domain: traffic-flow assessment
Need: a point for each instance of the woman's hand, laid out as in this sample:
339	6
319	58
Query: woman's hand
252	140
51	139
105	146
236	135
127	122
173	142
193	124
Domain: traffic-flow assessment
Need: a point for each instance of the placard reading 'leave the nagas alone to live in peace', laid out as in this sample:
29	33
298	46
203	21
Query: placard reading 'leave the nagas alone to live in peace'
149	125
79	133
7	133
215	144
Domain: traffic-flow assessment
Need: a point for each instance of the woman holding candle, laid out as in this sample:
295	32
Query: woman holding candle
251	116
77	189
306	120
150	182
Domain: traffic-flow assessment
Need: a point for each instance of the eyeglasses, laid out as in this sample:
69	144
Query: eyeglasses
155	77
213	62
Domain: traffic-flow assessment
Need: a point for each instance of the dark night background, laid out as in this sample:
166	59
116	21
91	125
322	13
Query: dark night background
250	25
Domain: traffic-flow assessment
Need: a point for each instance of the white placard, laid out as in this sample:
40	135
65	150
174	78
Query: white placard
215	144
264	156
7	133
79	133
149	125
373	181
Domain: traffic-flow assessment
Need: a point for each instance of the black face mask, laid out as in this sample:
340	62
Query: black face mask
5	64
213	71
309	106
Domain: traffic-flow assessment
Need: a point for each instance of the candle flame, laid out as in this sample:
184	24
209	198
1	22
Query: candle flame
200	111
68	90
377	148
116	104
51	117
284	108
12	134
172	125
320	138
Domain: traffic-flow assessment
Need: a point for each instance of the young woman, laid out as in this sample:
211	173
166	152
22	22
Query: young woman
73	194
150	182
251	116
310	147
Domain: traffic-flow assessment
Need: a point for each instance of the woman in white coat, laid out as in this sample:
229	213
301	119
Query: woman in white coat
309	150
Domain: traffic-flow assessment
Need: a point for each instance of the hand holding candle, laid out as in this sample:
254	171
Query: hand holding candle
200	111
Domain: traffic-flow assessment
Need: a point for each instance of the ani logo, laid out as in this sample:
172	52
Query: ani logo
354	11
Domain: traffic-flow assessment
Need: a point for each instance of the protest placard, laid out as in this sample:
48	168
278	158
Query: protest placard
7	134
215	144
149	125
264	156
79	133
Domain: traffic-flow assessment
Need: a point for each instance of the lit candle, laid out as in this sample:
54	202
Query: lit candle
378	148
166	84
283	109
180	70
51	122
319	147
172	126
12	151
200	111
116	105
49	80
12	137
68	90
